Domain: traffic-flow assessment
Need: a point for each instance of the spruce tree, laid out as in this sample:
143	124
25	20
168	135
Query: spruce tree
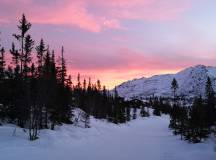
62	69
15	60
26	43
84	85
27	57
23	27
2	63
40	49
115	92
210	102
98	85
174	87
197	121
2	86
78	82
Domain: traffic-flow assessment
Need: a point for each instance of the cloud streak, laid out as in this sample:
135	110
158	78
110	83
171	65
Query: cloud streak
94	15
126	59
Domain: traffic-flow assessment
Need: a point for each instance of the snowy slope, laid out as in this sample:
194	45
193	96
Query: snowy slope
141	139
191	83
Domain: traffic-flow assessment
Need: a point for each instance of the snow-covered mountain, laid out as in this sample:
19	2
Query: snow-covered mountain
191	83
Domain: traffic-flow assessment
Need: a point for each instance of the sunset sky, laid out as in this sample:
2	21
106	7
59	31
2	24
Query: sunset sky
118	40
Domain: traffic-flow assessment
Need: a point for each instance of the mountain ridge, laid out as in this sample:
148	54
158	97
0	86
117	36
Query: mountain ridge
191	82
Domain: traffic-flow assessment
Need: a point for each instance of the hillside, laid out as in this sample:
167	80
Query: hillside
191	83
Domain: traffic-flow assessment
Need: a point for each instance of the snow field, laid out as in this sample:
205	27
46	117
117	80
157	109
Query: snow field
140	139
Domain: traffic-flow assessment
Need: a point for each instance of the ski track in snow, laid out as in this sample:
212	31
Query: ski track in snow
141	139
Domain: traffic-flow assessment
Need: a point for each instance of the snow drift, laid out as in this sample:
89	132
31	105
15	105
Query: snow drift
140	139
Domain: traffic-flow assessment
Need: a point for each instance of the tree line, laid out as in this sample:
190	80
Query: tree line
193	123
36	92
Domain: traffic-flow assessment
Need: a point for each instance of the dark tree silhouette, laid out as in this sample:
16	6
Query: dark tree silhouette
174	87
23	27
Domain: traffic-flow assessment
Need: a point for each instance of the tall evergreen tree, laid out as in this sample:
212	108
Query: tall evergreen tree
89	84
115	92
98	85
2	63
15	59
210	102
27	57
84	85
62	69
78	81
210	94
23	27
174	87
3	89
22	100
40	49
198	127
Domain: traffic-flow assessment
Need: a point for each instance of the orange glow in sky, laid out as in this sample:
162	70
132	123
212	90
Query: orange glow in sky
119	40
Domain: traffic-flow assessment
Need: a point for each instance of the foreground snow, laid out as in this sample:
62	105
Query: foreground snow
141	139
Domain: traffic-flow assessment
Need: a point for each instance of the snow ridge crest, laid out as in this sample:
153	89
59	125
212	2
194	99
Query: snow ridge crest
191	83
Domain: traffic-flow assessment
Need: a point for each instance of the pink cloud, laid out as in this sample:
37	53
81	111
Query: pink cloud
71	14
85	14
68	13
111	23
126	59
152	10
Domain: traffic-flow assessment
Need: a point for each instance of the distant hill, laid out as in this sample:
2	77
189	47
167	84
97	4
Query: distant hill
191	82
